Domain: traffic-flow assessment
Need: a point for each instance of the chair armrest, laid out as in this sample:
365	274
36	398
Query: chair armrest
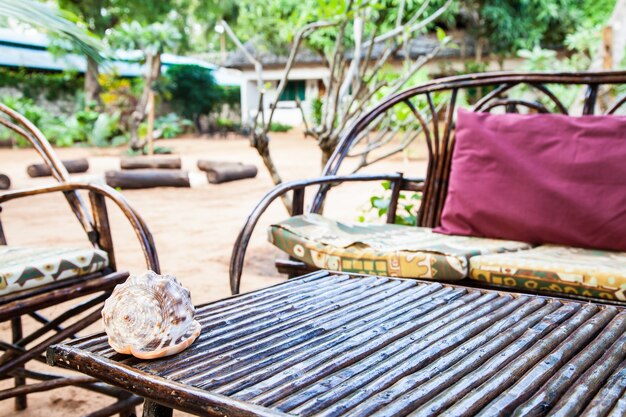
139	226
241	244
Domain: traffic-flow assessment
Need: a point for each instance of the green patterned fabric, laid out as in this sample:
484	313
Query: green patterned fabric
22	268
561	269
381	249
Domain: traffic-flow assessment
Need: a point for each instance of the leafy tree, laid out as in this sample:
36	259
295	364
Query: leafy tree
152	40
507	26
192	89
55	21
356	39
102	15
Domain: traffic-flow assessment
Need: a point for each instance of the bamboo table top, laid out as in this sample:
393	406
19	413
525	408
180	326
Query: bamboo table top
328	344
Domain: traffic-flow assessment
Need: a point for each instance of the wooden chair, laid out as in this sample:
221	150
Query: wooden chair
433	107
47	277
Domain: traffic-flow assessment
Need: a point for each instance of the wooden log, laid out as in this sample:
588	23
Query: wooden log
207	165
147	178
73	166
141	162
225	173
5	182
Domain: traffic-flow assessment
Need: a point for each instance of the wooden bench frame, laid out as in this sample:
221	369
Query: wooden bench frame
439	136
93	218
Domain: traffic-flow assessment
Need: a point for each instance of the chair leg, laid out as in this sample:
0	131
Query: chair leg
20	400
152	409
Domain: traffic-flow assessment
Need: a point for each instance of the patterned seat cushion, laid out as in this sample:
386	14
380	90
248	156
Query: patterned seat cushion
22	268
381	249
562	269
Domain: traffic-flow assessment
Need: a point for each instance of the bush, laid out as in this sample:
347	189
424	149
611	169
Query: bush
34	84
230	95
84	126
167	127
192	90
280	127
51	126
317	108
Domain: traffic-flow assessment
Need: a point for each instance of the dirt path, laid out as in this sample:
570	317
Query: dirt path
194	229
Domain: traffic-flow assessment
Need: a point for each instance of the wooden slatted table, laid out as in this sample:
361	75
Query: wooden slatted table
328	344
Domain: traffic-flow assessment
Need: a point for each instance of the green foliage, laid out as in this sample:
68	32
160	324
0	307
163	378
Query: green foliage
105	129
158	150
596	12
152	39
509	26
580	46
506	26
230	95
274	22
192	90
280	127
317	109
101	15
33	84
45	121
55	21
167	127
227	124
171	125
83	127
378	207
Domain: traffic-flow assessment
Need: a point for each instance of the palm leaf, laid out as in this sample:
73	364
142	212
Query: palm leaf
55	21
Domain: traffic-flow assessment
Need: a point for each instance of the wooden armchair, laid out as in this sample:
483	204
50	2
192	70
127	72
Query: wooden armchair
32	279
433	109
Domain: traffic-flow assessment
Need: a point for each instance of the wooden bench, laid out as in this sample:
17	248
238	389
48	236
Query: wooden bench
432	113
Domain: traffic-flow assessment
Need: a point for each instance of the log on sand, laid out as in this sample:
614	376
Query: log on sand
73	166
148	162
219	172
147	178
5	182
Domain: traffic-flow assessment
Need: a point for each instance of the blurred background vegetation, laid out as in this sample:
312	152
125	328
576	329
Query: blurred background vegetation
99	108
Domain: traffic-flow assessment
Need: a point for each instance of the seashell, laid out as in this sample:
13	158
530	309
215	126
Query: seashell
150	316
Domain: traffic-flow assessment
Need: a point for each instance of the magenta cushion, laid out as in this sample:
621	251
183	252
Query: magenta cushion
541	178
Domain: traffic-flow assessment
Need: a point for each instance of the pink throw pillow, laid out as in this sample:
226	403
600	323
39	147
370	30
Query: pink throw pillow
540	178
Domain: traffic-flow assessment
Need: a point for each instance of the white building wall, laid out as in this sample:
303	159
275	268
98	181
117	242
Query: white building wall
286	111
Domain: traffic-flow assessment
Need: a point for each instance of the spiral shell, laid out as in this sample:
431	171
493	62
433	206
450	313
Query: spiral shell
150	316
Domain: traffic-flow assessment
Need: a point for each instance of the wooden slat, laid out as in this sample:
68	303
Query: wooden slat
333	345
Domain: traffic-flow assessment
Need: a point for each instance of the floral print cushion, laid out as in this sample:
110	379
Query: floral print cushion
22	268
561	269
381	249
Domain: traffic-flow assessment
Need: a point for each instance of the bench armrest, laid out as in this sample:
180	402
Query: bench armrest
399	183
97	195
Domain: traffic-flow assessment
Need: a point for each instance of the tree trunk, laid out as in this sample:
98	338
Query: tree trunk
198	124
92	84
260	142
153	68
326	154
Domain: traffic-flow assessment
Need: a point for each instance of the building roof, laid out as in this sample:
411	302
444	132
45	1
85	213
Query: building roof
29	50
419	46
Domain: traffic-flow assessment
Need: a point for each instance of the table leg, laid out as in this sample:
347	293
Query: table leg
152	409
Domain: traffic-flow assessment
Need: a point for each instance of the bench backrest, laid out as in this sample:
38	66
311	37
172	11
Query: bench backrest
432	110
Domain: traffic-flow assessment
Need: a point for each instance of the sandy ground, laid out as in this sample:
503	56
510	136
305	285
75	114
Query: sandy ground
194	229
